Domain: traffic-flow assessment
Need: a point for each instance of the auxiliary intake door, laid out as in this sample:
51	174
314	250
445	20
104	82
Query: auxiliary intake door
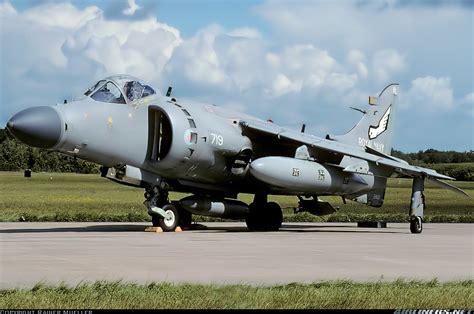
159	134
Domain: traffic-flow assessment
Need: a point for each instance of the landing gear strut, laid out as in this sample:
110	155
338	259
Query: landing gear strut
264	215
163	213
417	205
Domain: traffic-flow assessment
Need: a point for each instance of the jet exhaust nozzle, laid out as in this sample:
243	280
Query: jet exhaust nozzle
36	126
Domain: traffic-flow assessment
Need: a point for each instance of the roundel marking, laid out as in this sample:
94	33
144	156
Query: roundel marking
188	137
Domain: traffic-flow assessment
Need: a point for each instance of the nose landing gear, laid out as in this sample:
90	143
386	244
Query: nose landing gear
163	213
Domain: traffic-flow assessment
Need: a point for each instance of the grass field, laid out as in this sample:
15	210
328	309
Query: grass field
324	295
78	197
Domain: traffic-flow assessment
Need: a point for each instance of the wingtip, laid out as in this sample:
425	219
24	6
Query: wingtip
447	186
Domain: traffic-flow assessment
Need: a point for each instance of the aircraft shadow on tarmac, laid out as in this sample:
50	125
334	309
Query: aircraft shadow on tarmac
200	228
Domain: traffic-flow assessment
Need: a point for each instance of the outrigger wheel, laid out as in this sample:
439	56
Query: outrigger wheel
416	224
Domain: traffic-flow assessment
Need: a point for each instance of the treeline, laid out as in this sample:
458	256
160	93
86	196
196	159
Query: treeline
15	156
458	165
432	156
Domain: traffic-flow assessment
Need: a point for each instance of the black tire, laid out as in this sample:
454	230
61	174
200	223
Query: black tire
155	220
274	216
254	220
416	224
167	224
268	218
185	218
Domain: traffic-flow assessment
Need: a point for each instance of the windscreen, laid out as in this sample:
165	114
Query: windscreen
109	93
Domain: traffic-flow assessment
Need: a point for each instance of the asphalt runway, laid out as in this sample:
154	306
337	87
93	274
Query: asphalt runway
226	253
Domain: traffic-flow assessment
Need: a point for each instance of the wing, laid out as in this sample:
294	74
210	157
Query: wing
332	152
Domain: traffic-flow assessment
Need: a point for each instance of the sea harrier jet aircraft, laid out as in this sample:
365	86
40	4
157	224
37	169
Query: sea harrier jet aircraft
162	144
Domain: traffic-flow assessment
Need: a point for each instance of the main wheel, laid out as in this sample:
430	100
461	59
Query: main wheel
416	224
185	217
268	217
274	216
167	224
254	219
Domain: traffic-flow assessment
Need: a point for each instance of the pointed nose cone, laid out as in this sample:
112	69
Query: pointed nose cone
36	126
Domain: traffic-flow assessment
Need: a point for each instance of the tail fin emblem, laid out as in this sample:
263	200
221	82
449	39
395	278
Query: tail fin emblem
375	131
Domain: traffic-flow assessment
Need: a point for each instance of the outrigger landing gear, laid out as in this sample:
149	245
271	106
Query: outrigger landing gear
264	215
417	205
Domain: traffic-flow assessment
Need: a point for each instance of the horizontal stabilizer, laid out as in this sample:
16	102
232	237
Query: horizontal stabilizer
447	186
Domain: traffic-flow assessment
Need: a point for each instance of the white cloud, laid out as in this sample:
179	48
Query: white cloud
246	32
342	82
283	85
468	99
237	64
61	15
132	8
216	58
431	93
386	63
312	65
66	48
6	9
363	25
357	59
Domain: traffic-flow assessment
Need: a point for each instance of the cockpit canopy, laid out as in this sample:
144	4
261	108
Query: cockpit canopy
119	89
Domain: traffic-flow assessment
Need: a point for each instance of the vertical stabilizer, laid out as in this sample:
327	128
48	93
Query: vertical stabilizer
375	129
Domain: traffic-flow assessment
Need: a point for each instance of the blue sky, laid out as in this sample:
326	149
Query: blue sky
292	61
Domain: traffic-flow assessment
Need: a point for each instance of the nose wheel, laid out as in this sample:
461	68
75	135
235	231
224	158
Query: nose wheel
165	214
168	223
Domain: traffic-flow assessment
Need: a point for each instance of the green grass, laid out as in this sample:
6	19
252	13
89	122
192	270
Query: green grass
323	295
79	197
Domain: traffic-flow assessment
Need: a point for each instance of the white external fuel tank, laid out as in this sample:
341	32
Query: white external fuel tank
305	176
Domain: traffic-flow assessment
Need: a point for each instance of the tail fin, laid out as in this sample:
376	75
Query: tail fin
375	129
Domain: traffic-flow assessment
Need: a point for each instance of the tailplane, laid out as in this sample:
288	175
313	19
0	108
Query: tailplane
375	129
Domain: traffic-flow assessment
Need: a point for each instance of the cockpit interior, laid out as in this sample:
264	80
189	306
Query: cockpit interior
119	89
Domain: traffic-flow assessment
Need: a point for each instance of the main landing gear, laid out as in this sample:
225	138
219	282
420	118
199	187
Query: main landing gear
165	214
417	205
264	215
